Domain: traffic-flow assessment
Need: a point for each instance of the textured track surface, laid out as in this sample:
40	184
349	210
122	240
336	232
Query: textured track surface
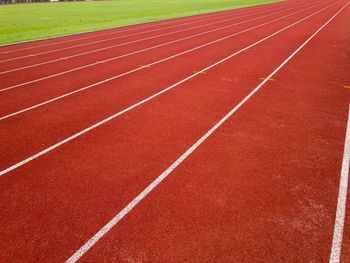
87	122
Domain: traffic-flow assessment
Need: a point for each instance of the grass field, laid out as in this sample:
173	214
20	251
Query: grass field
32	21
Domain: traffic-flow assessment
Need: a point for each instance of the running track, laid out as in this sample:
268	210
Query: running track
220	137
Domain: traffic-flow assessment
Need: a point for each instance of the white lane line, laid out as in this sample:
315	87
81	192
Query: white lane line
105	229
121	44
82	132
208	16
156	62
341	206
118	57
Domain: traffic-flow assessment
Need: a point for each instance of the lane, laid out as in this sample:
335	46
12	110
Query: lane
56	211
38	130
99	33
270	191
100	49
37	95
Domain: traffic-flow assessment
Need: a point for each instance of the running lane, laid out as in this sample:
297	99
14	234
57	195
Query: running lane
54	62
55	203
88	35
154	28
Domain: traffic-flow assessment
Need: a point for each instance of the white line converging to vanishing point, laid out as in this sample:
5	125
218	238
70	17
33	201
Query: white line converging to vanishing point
341	206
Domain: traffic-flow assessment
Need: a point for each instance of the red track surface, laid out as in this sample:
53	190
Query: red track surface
262	188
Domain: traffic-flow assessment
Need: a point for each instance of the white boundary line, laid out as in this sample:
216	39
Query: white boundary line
213	17
76	135
341	205
103	231
157	62
135	41
144	23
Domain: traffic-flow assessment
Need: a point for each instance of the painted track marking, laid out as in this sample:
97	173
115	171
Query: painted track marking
269	79
157	62
341	204
106	228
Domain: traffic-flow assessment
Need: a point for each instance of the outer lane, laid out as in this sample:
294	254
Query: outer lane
102	50
88	35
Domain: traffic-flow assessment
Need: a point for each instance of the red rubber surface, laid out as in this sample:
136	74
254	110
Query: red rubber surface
262	188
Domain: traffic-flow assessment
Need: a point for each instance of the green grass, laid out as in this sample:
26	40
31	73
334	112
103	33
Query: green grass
33	21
